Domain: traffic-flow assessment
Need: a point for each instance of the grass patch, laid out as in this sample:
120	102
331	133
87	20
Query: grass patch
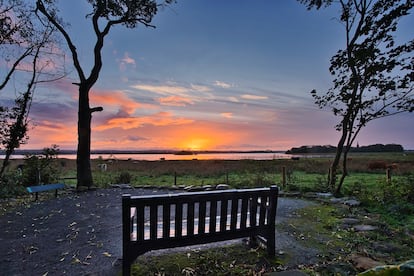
228	260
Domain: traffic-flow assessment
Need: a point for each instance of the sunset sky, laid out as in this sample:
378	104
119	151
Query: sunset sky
224	75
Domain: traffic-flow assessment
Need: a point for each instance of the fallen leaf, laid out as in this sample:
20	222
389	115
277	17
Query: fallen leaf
72	224
106	254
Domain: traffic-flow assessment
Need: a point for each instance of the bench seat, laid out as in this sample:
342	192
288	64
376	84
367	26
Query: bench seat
46	187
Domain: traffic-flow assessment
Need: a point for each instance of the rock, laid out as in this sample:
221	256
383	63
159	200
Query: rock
207	187
349	221
364	263
324	195
384	247
352	202
364	227
403	269
222	187
287	273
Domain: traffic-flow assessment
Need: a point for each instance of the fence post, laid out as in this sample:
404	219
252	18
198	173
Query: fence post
388	174
284	177
175	178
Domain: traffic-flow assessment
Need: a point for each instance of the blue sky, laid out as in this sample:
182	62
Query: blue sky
212	75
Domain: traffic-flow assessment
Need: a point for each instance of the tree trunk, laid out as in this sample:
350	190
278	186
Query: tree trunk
84	173
344	171
335	163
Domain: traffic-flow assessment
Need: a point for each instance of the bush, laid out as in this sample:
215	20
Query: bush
10	185
41	168
124	178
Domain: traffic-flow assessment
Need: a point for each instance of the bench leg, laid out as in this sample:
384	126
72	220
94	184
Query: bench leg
36	197
126	268
56	192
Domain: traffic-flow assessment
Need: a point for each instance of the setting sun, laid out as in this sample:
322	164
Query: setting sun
196	144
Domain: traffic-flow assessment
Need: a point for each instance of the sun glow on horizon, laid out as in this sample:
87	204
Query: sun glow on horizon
196	143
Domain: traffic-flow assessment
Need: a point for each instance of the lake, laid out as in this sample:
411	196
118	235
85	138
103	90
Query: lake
166	156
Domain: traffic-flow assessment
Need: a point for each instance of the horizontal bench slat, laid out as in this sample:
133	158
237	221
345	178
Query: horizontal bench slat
46	187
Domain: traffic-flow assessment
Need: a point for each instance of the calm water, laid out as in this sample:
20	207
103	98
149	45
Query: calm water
201	156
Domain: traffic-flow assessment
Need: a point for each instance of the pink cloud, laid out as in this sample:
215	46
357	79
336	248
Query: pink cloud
158	119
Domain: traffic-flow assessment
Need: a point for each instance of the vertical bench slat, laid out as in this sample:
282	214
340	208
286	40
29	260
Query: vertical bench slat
140	222
213	216
253	210
153	221
243	215
262	214
166	219
190	219
178	219
234	211
223	214
202	217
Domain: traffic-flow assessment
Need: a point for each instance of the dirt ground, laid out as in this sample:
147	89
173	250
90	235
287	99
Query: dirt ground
80	234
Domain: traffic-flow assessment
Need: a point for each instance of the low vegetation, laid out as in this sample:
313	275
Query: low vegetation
386	200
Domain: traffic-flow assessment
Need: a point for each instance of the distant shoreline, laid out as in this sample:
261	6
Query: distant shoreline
178	152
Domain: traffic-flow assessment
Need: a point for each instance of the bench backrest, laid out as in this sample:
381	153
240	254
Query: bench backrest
174	220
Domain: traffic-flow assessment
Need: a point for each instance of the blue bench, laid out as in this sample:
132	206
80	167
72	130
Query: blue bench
45	187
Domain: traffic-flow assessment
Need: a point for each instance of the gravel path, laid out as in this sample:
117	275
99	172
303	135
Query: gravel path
80	234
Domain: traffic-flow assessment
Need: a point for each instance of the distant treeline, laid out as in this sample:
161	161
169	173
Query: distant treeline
332	149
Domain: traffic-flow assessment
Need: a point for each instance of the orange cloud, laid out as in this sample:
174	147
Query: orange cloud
46	133
117	99
159	119
175	101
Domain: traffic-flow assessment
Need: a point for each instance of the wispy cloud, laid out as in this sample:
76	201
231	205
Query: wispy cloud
253	97
175	101
125	61
222	84
227	115
162	89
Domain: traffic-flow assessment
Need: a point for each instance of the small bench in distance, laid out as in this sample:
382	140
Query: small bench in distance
44	188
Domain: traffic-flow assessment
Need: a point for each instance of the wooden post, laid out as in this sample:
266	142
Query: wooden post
227	177
388	174
175	178
283	176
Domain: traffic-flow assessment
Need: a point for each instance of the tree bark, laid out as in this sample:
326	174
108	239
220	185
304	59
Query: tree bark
84	173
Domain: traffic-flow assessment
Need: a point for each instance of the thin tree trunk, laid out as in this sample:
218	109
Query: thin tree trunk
337	159
344	171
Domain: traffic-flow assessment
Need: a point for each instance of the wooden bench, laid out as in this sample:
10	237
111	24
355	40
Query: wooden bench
174	220
44	188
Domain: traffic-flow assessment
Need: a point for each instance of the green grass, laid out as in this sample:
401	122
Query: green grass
228	260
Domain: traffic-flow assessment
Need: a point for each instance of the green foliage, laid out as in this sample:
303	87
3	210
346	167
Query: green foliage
124	178
41	168
10	185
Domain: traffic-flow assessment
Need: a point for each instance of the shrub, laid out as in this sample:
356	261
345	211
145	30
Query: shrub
124	178
10	185
41	168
